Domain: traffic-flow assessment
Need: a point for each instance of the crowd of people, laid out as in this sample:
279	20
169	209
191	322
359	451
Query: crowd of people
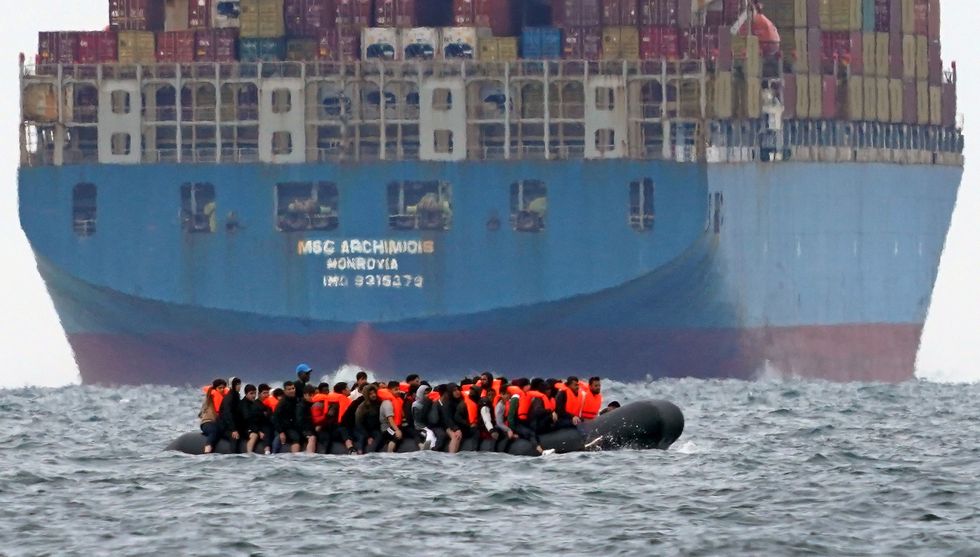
377	417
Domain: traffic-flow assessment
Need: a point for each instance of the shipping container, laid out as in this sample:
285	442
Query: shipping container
814	41
419	43
224	18
883	96
252	49
831	106
582	43
895	17
895	58
666	12
934	20
199	14
920	12
380	43
136	15
400	13
620	43
137	47
787	14
883	17
659	43
794	49
302	49
869	53
176	46
855	98
216	45
949	104
620	13
348	46
816	96
498	49
306	18
935	63
576	13
921	57
98	47
903	101
464	42
354	13
724	49
922	102
908	17
908	57
753	97
502	17
840	15
935	105
695	43
789	96
60	47
263	19
803	96
870	98
723	97
540	43
868	16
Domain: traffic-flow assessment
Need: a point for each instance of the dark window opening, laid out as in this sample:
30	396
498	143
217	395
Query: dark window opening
122	143
197	208
307	206
420	205
282	101
528	205
605	140
83	209
442	99
282	143
443	141
120	102
642	204
605	98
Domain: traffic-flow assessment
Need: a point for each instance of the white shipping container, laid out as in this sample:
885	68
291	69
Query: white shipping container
462	42
420	43
221	21
380	43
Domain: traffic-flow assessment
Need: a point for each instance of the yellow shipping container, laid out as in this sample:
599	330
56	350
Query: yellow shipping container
884	100
868	54
908	17
787	14
855	98
137	47
896	99
922	101
908	56
816	96
620	43
840	15
262	19
753	57
723	95
870	99
935	105
498	49
753	97
921	57
882	54
802	96
824	14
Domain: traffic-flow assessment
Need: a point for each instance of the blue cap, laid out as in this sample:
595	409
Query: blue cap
303	368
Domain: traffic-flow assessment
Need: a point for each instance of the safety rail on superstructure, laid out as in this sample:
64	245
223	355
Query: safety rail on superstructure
292	112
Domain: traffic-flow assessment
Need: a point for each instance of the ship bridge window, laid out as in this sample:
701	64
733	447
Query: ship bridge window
83	209
122	143
307	206
197	208
528	205
442	99
282	143
642	204
424	205
120	102
605	140
282	101
605	98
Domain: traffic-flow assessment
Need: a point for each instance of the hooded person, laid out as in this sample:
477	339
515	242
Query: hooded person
420	413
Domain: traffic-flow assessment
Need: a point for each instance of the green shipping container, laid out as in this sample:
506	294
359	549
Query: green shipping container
137	47
302	50
262	19
262	50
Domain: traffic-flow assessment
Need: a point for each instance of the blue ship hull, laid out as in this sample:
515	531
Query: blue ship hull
815	269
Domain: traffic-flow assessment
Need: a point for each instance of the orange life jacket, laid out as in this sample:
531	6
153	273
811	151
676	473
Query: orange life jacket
319	409
404	387
466	391
341	400
591	405
525	404
217	395
573	402
550	403
434	396
270	402
511	392
472	412
396	403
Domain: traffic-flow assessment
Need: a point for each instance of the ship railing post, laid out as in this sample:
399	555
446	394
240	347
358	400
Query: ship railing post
383	105
179	86
507	107
59	129
217	113
547	110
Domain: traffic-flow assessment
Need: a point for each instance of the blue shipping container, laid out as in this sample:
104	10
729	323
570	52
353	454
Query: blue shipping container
262	50
539	43
868	15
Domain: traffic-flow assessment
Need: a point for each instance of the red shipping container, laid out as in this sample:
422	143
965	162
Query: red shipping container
714	17
576	13
883	17
176	46
581	43
354	13
348	43
830	106
895	56
910	102
59	47
856	53
327	45
396	13
660	12
620	13
949	105
659	43
216	45
306	18
725	55
199	14
920	9
731	10
136	15
501	16
789	96
844	48
935	20
935	63
699	43
98	47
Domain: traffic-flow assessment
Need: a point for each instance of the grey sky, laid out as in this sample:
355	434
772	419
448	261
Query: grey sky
35	351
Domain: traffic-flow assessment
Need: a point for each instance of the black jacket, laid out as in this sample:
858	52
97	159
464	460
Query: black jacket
254	415
285	415
304	416
230	414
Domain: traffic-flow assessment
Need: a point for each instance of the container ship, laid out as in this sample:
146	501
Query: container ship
625	188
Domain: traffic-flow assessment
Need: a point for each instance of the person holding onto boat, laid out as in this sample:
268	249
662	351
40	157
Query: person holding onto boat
367	420
230	414
390	416
592	403
285	418
209	414
568	404
255	417
304	418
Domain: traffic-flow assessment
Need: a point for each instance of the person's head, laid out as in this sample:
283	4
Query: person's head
303	372
360	378
393	386
612	406
289	389
503	384
371	393
595	385
441	389
323	388
413	380
452	391
476	394
251	392
522	383
219	384
264	391
466	382
486	379
308	392
572	383
236	384
538	384
278	393
341	389
550	388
